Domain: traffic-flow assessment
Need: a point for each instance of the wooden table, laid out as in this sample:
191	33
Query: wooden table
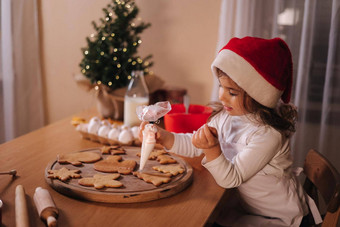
197	205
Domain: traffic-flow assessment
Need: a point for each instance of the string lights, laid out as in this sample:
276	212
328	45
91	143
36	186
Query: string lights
111	52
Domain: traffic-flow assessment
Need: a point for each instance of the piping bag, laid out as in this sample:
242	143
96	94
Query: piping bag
152	114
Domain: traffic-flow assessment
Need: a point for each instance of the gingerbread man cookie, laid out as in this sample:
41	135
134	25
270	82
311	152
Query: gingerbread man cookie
63	174
172	169
99	181
78	158
114	164
155	179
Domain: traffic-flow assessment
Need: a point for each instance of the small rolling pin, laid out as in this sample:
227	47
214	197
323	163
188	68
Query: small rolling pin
45	206
12	172
21	214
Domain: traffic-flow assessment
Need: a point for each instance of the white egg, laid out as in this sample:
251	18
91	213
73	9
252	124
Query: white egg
115	125
135	132
94	119
93	127
104	130
105	122
125	127
114	134
82	127
125	136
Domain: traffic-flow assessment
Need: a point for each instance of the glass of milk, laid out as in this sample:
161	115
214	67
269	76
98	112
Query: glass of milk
137	94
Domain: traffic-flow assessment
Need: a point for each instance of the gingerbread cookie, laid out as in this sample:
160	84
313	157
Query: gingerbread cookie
63	174
99	181
115	149
172	169
114	164
154	154
165	159
78	158
158	146
155	179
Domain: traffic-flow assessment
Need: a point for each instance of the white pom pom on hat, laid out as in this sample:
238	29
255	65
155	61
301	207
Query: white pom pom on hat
261	67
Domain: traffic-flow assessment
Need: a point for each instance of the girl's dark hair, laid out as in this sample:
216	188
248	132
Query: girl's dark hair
283	118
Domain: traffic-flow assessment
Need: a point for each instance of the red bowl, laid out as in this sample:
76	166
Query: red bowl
180	122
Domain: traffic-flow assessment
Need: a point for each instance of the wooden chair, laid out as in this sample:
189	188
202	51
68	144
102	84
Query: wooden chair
322	177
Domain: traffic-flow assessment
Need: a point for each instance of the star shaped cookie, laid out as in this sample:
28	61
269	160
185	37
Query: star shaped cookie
63	174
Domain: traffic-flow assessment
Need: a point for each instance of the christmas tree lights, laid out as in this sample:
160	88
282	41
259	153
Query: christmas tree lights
111	52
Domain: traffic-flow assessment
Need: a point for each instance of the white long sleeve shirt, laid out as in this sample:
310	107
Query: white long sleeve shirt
257	160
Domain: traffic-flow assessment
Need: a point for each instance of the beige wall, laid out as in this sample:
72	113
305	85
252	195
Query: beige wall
182	40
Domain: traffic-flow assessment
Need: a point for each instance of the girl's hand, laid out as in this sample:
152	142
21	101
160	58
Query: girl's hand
205	137
163	137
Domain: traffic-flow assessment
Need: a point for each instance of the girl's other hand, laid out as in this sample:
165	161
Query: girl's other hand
205	137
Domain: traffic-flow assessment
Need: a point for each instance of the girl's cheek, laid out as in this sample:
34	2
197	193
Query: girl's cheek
221	94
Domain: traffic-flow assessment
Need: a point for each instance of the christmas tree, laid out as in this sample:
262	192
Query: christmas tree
111	53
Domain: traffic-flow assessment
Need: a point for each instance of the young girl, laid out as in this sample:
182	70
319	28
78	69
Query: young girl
246	143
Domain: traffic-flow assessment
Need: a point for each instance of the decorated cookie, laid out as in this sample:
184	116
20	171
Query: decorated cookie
99	181
114	164
165	159
77	158
115	149
63	174
154	154
155	179
173	169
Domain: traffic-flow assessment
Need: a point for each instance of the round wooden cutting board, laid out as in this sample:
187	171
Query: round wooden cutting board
133	189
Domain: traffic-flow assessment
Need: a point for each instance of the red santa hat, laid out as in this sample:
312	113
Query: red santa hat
261	67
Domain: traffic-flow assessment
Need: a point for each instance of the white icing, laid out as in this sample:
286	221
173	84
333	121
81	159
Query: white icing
149	141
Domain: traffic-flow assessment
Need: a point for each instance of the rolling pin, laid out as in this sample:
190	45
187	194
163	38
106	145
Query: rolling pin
45	206
21	214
